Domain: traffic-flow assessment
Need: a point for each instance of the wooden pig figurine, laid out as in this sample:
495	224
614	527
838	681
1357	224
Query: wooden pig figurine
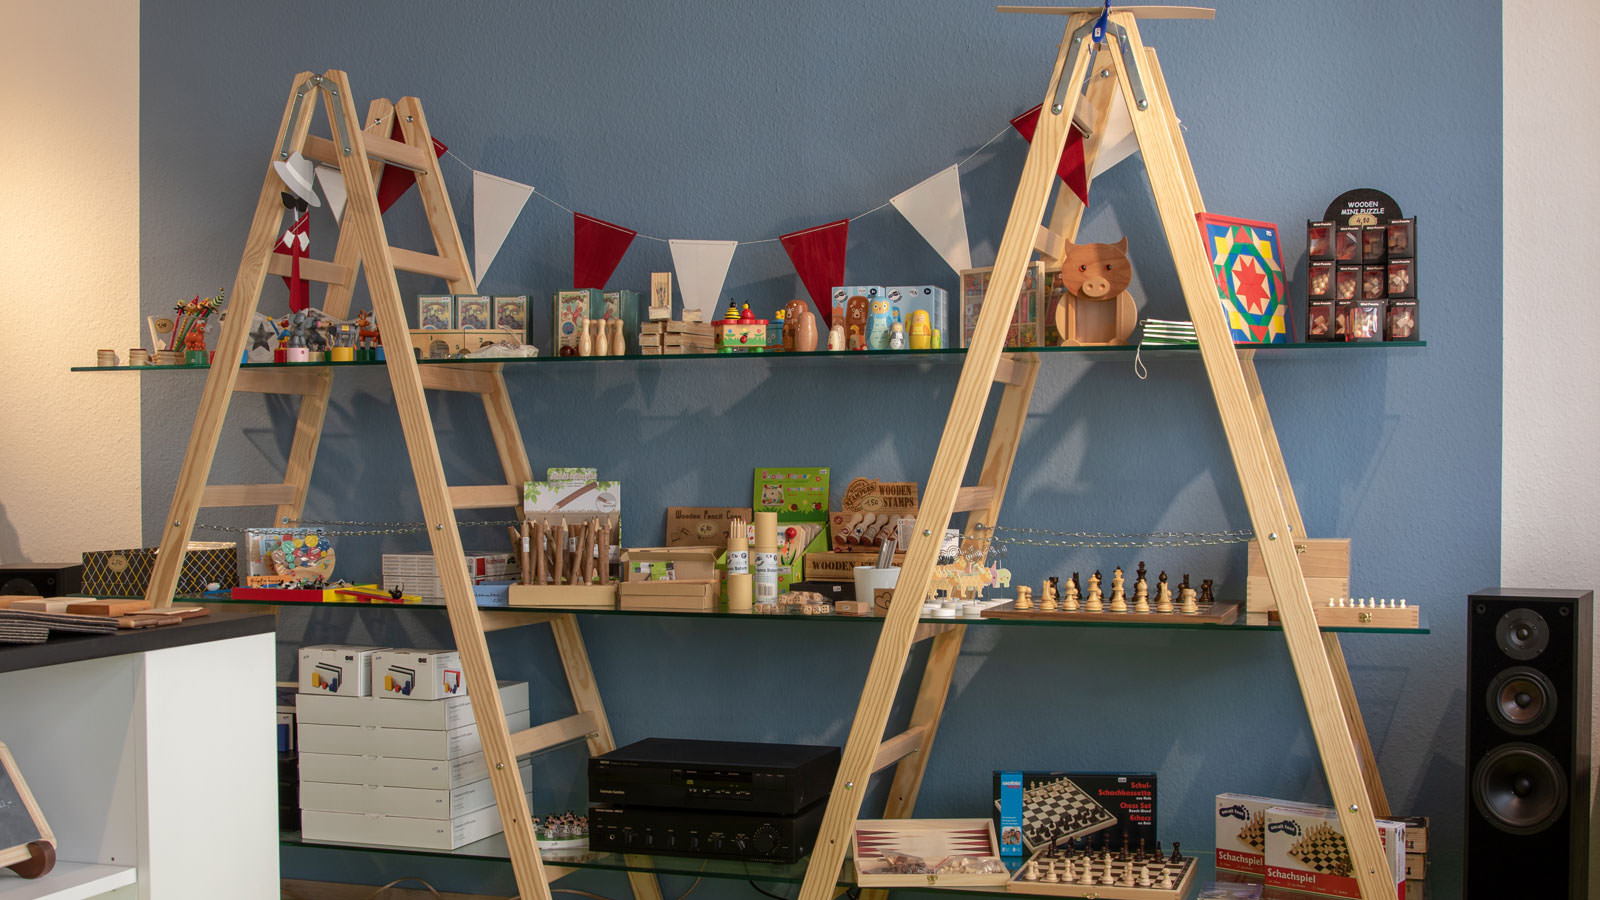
1095	306
799	327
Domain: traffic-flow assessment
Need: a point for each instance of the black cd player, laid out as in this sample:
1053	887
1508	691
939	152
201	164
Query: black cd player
775	779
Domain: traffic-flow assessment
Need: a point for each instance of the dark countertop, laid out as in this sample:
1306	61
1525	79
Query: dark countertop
62	647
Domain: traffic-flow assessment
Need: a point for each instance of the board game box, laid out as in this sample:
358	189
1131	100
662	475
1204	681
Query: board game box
1306	851
1037	810
1241	831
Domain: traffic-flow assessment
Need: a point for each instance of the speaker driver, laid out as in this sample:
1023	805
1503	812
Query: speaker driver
1519	788
1522	700
19	587
1522	634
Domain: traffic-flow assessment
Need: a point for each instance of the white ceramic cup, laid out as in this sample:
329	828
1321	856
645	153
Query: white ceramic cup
871	578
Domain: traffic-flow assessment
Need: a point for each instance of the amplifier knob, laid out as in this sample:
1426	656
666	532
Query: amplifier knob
694	842
741	843
765	839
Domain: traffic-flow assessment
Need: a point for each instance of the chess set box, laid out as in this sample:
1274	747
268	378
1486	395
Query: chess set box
1306	851
1035	810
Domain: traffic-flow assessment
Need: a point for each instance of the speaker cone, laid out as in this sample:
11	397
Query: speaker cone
1519	788
20	587
1522	634
1522	700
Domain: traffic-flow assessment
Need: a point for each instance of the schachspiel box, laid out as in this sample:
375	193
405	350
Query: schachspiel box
126	573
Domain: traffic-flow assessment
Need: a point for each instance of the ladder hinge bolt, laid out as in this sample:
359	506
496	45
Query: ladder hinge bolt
1144	104
440	527
1105	73
1272	536
926	532
1056	109
500	766
285	520
849	785
1355	808
177	524
411	118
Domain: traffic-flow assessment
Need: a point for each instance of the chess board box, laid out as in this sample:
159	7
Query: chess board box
1241	829
1032	808
1306	851
914	853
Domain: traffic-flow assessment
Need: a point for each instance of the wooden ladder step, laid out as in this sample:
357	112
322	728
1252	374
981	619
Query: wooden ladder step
467	379
899	747
1011	370
312	270
427	264
248	495
973	497
501	619
283	381
322	150
539	738
485	496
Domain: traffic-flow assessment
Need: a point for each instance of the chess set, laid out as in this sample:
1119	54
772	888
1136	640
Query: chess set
1090	604
1322	849
1057	811
927	852
1079	870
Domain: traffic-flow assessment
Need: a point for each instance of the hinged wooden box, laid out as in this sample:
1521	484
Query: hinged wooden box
1325	562
563	596
669	596
669	564
926	853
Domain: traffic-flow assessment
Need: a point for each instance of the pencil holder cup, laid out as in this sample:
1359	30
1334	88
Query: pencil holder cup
872	578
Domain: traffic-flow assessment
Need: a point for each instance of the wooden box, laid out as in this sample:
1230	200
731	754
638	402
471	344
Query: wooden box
680	596
563	596
831	566
1325	562
666	564
954	853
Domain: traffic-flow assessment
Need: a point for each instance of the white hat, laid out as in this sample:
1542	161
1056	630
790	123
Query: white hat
296	174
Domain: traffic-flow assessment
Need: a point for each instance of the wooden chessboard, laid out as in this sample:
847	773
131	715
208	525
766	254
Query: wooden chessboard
1215	613
1057	811
1160	869
926	852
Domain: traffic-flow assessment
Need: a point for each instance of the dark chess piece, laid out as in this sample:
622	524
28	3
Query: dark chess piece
1205	591
1124	854
1141	847
1176	856
1076	584
1184	583
1139	575
1156	854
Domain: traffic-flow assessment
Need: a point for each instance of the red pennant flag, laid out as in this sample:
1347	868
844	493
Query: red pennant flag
395	181
597	247
1071	168
296	241
818	257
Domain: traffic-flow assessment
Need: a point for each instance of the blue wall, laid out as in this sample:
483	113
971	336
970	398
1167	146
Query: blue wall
727	120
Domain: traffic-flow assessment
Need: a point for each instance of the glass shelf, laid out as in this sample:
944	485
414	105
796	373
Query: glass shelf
946	354
1111	620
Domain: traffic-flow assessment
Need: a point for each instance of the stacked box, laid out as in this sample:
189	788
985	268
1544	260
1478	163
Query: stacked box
1241	831
400	774
337	669
412	674
418	573
1306	851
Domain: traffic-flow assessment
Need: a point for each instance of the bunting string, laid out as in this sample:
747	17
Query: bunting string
451	154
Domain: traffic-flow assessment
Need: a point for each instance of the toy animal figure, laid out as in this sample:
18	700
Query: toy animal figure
855	323
366	331
878	318
799	327
921	333
301	325
1095	307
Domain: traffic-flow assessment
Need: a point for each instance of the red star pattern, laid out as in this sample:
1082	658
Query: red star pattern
1250	285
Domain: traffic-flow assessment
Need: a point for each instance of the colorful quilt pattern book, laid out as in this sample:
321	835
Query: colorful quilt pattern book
1248	270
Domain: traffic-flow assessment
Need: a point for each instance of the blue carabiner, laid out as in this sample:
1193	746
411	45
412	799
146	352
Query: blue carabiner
1099	35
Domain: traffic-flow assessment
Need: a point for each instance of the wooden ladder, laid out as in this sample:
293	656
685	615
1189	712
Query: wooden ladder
360	148
1081	68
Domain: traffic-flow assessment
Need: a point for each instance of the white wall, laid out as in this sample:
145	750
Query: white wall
69	277
1550	488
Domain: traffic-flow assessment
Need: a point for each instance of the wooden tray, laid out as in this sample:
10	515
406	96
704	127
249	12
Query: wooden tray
939	843
1217	613
1182	879
563	596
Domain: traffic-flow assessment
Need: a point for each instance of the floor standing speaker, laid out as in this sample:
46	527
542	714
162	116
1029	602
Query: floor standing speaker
1528	694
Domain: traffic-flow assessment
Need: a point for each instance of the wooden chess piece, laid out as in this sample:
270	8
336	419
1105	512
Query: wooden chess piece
1119	602
1141	601
1070	604
1205	592
1024	598
1163	595
1093	604
1186	601
1047	601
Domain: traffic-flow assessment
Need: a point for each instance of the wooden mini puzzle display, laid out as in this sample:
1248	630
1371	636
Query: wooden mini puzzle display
1361	271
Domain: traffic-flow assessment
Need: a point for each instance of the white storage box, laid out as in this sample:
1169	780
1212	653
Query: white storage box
439	715
417	803
410	674
336	669
408	743
393	771
400	831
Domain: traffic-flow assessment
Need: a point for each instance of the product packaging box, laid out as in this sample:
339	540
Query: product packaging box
393	771
623	305
800	498
126	573
1241	831
870	513
830	566
336	669
1032	810
572	306
906	299
408	743
1306	851
694	526
400	831
415	803
840	304
1024	330
441	715
413	674
669	564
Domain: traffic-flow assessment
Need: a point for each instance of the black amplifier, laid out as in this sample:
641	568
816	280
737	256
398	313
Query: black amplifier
776	779
694	832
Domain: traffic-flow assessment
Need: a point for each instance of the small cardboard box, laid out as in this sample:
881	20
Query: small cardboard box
400	831
1241	831
126	573
958	852
1325	562
407	743
623	305
691	526
395	771
640	564
679	596
908	298
1416	834
441	715
411	674
570	308
417	803
1025	330
840	300
1032	809
336	669
1306	851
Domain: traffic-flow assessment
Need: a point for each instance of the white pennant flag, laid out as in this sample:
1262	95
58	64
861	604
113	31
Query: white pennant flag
1119	142
496	203
702	267
332	181
934	209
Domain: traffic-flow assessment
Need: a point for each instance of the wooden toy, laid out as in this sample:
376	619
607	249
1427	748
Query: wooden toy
857	313
671	337
660	296
799	327
1095	307
921	333
1325	562
740	331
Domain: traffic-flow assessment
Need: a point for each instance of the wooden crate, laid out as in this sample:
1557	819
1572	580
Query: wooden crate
1325	562
938	842
563	596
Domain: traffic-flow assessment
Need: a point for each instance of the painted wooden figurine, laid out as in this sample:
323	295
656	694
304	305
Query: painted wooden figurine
799	327
856	313
1095	307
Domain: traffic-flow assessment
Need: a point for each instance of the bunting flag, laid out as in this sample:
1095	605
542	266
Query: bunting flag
496	203
818	257
295	243
597	247
396	180
1070	167
934	209
1119	141
332	181
702	267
